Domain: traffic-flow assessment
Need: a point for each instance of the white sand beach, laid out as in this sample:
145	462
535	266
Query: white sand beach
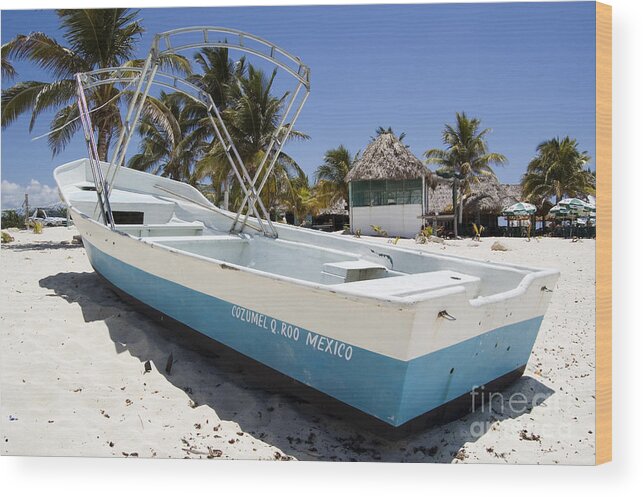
74	380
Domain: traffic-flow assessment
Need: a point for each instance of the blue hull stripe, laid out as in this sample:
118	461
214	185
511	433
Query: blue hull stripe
392	390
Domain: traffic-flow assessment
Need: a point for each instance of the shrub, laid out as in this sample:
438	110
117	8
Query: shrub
378	229
11	219
478	231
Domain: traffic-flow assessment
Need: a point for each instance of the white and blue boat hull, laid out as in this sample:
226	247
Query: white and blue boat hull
393	358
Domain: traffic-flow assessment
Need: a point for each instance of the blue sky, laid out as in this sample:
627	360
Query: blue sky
527	70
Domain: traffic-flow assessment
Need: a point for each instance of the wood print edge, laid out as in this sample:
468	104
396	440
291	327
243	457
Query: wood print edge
604	233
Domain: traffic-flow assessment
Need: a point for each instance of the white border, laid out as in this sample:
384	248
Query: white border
123	477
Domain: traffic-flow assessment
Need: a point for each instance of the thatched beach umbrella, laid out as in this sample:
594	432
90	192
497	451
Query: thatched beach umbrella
485	200
486	195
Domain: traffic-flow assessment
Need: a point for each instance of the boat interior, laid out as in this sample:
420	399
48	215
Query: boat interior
176	216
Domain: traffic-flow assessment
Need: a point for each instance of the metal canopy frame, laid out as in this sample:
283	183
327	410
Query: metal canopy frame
172	42
102	188
130	75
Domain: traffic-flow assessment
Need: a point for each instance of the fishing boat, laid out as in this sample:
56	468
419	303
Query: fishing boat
393	332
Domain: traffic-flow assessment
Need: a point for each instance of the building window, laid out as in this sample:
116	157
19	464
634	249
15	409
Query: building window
386	192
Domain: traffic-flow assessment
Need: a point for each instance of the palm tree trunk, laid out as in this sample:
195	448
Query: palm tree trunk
103	143
455	207
226	194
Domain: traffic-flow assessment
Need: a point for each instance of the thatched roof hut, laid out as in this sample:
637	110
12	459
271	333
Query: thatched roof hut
387	188
387	157
487	195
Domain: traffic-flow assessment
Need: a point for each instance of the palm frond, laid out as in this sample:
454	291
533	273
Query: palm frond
8	71
175	63
53	95
64	125
155	111
101	37
18	99
46	53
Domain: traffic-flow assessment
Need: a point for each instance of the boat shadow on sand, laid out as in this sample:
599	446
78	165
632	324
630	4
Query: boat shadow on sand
278	410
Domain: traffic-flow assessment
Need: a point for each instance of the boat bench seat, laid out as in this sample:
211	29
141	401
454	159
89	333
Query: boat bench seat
415	285
147	230
349	271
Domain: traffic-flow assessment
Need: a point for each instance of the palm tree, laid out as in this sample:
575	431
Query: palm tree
170	150
465	160
558	171
330	177
96	38
219	73
304	200
251	114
